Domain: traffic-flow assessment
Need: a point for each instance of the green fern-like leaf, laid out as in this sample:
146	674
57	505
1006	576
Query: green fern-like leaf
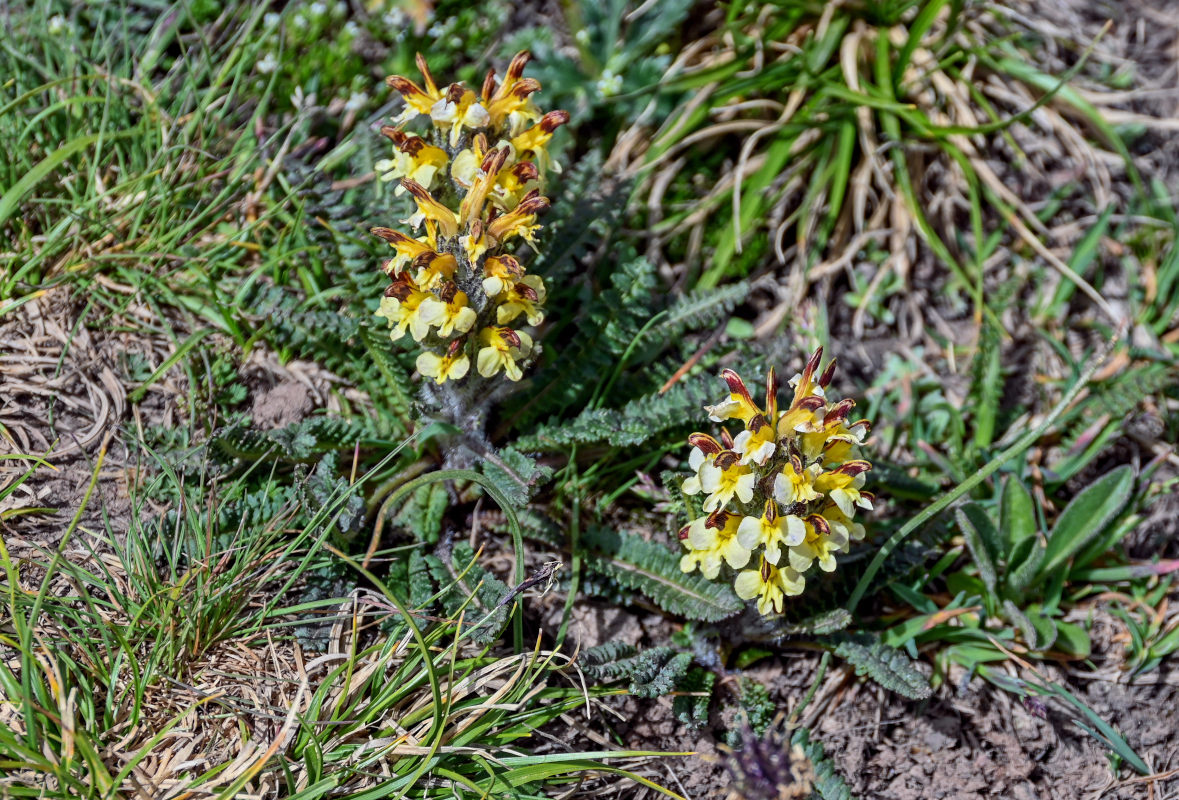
652	672
516	475
828	783
653	570
423	511
690	707
886	665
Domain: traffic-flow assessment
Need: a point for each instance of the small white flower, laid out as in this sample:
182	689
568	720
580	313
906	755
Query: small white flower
356	101
302	101
57	25
582	36
270	19
436	30
267	64
340	8
351	28
609	84
300	22
397	18
317	9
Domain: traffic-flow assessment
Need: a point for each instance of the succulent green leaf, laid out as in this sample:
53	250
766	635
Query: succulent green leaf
828	783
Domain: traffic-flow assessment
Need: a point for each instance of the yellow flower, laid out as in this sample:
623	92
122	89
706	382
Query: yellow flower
724	478
739	405
510	103
821	543
530	145
414	159
407	249
431	269
843	484
520	221
449	311
524	298
772	530
408	309
842	523
430	210
502	348
449	367
710	541
757	442
457	109
471	207
513	184
500	272
771	586
795	484
417	100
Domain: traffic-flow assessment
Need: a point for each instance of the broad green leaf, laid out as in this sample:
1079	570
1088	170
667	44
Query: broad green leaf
1087	516
1073	640
1026	558
1017	515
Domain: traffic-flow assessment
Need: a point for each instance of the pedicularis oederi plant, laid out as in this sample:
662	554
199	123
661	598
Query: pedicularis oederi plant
476	174
780	496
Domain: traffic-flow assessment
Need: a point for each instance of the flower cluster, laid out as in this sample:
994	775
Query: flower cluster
476	177
782	494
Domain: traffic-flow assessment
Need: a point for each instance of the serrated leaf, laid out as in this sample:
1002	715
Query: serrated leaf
690	705
516	475
1017	514
828	783
652	569
1095	507
886	665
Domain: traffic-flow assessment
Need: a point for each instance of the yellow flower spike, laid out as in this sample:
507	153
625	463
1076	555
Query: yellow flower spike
713	540
452	366
430	210
502	348
414	159
771	586
740	404
796	484
843	485
726	478
417	100
451	313
525	297
771	530
500	272
757	442
520	221
457	109
821	544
